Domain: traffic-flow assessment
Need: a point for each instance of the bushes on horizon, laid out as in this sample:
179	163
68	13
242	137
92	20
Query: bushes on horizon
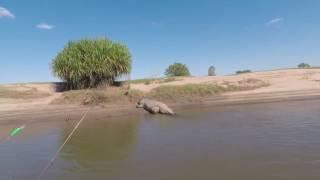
304	65
89	63
211	71
177	69
243	71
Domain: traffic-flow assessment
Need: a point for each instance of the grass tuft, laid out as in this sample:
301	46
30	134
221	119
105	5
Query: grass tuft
144	81
188	91
148	81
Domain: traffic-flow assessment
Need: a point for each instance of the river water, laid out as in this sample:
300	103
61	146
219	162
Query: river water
257	141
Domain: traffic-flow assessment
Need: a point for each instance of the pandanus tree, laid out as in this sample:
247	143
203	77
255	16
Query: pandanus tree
89	63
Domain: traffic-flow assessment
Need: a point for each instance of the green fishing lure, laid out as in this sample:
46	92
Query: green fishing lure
16	131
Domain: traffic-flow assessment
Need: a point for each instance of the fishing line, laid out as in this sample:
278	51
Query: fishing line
44	170
18	130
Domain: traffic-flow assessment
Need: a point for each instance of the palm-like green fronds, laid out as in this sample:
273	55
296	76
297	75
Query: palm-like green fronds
89	63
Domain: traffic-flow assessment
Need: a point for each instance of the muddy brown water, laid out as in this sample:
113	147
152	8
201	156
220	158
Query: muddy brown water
276	141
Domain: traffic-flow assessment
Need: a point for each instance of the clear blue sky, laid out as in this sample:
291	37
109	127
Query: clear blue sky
229	34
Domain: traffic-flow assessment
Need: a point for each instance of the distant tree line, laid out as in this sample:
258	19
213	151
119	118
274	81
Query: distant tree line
243	71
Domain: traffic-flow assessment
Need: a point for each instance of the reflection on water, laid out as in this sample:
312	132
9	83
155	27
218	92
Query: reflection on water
258	141
100	141
99	146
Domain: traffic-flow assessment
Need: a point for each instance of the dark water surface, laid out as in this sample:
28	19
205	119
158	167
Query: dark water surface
257	141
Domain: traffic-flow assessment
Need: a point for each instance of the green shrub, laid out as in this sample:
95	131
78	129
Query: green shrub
177	69
89	63
304	65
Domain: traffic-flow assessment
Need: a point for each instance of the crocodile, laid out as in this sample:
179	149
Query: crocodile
154	107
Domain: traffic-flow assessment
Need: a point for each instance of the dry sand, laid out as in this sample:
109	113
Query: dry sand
48	89
287	84
279	80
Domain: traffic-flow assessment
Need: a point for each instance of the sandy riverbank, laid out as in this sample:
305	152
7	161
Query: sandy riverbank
294	84
64	112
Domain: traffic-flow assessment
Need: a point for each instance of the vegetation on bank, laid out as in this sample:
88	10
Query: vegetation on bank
190	92
90	63
145	80
167	93
185	92
148	81
113	95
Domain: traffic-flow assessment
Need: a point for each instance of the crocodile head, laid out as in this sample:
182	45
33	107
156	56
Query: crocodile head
140	103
